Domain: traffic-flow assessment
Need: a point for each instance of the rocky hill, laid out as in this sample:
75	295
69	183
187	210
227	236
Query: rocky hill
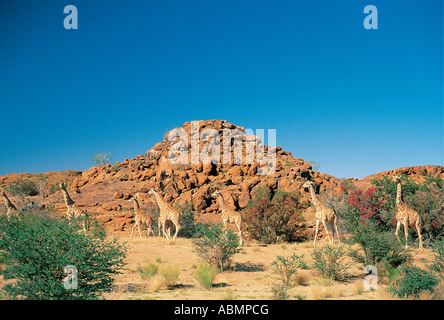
104	190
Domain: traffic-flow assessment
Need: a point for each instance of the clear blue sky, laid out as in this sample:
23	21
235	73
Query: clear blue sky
357	101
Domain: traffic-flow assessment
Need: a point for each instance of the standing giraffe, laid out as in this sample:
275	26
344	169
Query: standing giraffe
11	209
323	214
406	216
167	212
73	210
141	218
229	215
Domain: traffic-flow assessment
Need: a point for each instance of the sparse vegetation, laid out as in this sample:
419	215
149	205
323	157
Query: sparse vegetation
216	245
149	270
330	262
286	268
170	274
280	291
102	158
205	275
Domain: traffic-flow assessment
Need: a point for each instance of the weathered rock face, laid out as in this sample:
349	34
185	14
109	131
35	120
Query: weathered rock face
104	190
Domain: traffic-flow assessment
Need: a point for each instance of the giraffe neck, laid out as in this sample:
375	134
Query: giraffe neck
68	200
314	199
399	194
160	201
222	204
8	203
136	206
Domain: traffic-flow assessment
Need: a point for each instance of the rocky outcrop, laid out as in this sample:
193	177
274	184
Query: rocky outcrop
104	190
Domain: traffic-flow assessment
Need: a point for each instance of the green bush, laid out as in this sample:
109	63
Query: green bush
187	221
101	158
280	291
412	281
149	270
427	198
170	274
376	246
24	187
216	245
287	267
205	275
329	262
438	262
39	245
270	218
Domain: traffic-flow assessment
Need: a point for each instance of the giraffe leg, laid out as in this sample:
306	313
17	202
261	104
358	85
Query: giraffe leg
398	225
163	230
406	232
316	233
177	230
418	231
132	229
336	228
241	234
326	231
140	233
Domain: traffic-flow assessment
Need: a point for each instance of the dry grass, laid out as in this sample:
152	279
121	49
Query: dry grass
300	279
359	288
324	292
157	282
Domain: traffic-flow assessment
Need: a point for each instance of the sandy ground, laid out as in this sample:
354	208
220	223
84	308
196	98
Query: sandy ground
250	276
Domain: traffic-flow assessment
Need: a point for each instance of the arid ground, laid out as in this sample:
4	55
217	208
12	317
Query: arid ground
250	276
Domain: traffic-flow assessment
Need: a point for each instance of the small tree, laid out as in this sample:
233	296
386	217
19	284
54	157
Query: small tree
101	158
39	246
216	245
270	218
287	267
329	262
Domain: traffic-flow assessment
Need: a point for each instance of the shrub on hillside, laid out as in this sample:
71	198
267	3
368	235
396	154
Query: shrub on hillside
24	187
270	218
38	246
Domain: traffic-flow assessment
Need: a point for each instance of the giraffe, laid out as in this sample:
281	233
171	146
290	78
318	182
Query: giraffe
141	218
11	209
229	215
73	210
406	216
323	214
167	212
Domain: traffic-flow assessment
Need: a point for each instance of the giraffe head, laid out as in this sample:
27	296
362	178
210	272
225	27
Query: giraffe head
396	179
215	193
152	191
135	197
62	185
307	184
